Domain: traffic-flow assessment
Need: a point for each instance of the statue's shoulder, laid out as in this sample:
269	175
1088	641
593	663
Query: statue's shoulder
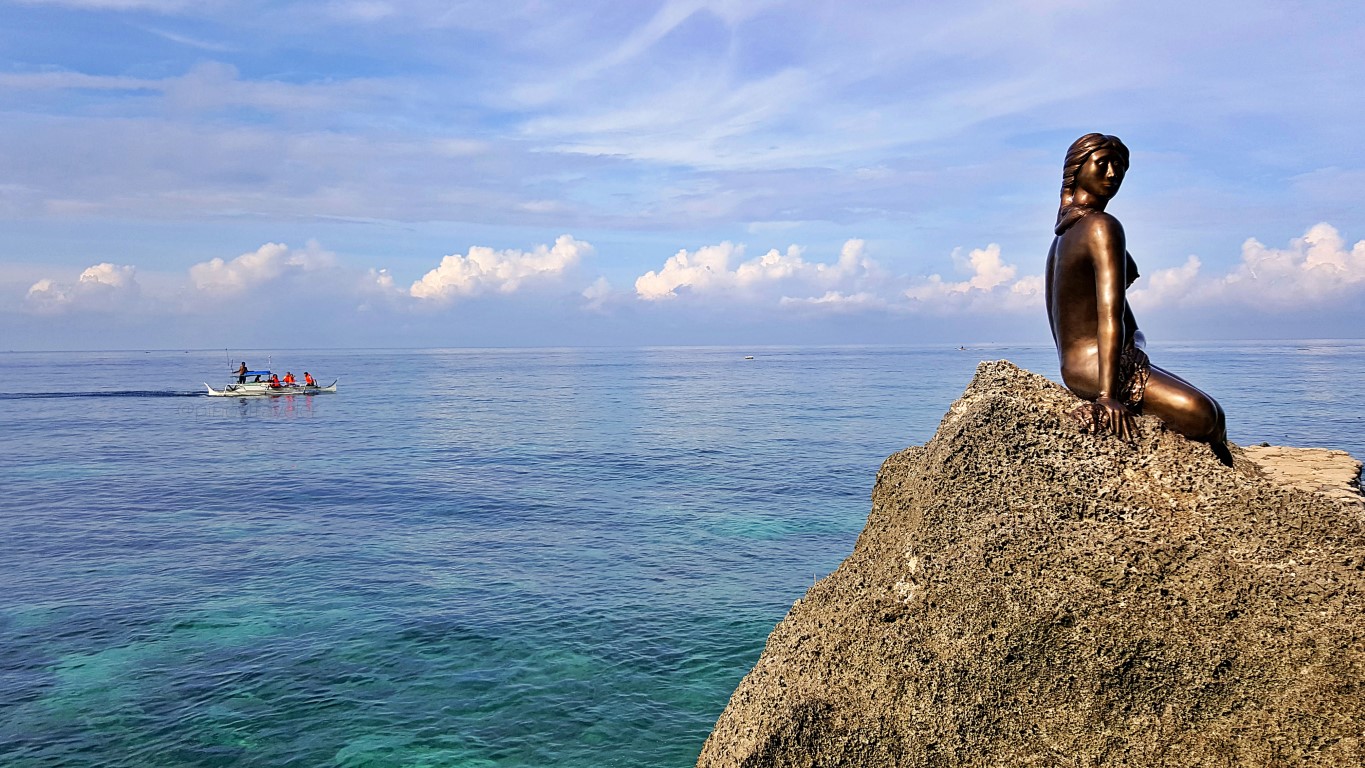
1100	222
1095	235
1098	232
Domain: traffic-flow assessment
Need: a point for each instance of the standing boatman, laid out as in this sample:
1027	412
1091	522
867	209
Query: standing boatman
241	373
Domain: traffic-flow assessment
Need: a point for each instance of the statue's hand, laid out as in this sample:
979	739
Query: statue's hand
1117	418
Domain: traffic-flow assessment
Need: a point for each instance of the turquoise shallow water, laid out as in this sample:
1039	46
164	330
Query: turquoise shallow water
466	557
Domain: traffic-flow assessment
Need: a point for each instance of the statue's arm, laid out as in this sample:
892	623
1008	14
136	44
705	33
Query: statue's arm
1108	250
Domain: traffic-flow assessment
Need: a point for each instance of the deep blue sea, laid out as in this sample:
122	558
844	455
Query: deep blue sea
548	557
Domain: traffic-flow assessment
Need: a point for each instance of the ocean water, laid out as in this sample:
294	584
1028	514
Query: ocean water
560	557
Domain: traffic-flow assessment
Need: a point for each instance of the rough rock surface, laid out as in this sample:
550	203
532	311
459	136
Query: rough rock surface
1025	595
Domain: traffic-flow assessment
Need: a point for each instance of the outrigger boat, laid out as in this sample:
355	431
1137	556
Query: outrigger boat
258	385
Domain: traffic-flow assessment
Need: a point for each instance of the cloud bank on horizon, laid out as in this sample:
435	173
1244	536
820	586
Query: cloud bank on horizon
844	173
1318	269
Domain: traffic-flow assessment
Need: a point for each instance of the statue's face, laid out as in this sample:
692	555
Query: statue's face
1101	174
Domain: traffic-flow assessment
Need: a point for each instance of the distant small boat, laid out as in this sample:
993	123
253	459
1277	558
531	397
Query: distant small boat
259	386
748	357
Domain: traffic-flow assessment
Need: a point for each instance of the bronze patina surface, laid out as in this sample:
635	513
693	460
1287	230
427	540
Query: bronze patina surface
1098	342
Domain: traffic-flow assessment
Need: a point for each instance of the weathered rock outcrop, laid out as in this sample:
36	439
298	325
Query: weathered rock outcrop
1026	595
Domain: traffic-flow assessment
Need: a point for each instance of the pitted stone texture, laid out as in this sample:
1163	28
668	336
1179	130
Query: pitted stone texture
1025	595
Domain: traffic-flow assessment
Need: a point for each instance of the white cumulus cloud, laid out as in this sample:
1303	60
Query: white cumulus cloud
270	262
48	293
484	270
103	286
707	270
1165	286
1315	267
991	285
109	275
707	266
1318	268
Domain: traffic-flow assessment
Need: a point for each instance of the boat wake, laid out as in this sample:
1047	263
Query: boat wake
106	393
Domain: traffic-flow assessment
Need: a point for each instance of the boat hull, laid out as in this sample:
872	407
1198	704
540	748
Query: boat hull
262	389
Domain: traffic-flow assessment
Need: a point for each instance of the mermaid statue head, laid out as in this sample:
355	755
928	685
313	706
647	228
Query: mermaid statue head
1068	212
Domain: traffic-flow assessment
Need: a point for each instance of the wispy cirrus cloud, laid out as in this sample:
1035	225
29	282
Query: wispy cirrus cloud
214	85
838	301
158	6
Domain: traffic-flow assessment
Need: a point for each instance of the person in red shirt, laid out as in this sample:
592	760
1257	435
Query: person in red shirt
308	379
289	378
274	380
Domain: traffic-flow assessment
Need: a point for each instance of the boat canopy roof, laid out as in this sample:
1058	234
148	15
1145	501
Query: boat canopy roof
256	373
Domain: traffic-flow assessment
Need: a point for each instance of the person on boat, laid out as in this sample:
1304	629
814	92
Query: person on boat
289	378
241	373
308	380
274	381
1099	346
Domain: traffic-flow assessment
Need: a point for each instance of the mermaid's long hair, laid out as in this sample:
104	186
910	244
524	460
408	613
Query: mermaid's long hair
1081	149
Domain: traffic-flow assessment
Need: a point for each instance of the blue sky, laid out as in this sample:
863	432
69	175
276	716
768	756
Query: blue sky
407	173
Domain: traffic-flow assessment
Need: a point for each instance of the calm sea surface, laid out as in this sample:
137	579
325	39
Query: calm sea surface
563	557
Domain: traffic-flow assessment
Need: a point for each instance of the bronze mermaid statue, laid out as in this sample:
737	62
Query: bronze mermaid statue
1099	346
